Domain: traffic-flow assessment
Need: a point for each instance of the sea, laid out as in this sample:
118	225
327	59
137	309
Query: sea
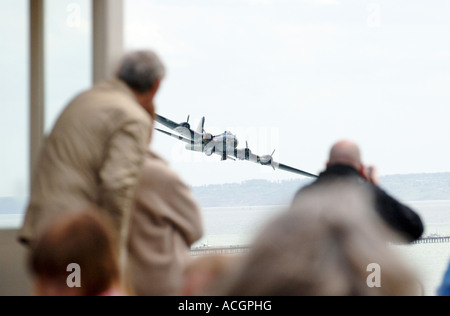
238	226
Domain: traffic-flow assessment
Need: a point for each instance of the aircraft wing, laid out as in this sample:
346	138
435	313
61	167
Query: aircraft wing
166	122
179	128
293	170
174	136
268	161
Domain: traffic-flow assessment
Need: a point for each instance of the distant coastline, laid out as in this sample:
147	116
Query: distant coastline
410	187
12	205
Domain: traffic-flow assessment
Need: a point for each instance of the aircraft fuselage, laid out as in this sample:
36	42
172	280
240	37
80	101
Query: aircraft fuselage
220	144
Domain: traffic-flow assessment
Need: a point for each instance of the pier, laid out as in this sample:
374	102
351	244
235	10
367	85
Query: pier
432	240
234	250
208	251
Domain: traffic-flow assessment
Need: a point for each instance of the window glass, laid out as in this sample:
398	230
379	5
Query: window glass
14	112
68	54
296	76
68	69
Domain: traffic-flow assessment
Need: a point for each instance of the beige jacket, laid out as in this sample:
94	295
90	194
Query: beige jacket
165	223
94	155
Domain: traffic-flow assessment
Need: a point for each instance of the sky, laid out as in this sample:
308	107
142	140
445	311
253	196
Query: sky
13	98
290	75
297	76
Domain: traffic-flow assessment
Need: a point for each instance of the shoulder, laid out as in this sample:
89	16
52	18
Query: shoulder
157	179
155	164
156	170
114	101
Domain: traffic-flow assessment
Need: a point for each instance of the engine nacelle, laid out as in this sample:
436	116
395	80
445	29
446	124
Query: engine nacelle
248	152
242	154
207	137
266	160
195	147
185	125
210	149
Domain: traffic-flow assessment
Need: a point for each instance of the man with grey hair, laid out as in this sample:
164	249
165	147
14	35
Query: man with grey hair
142	71
95	152
345	167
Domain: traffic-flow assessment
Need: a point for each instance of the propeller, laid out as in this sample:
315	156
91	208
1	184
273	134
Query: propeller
268	160
201	130
186	125
201	126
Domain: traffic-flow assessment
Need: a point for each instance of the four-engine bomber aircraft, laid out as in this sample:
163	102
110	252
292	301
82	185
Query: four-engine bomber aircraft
224	145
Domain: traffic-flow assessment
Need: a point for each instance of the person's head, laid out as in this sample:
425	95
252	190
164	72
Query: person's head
83	239
202	272
323	246
345	152
142	71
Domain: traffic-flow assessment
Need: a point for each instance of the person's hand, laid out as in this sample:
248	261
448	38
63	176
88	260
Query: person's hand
371	175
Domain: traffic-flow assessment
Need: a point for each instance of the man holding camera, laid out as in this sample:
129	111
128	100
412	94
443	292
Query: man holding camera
345	166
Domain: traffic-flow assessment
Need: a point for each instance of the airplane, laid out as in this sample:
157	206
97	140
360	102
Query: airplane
224	145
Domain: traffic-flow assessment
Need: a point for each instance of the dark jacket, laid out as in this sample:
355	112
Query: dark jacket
398	216
444	290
